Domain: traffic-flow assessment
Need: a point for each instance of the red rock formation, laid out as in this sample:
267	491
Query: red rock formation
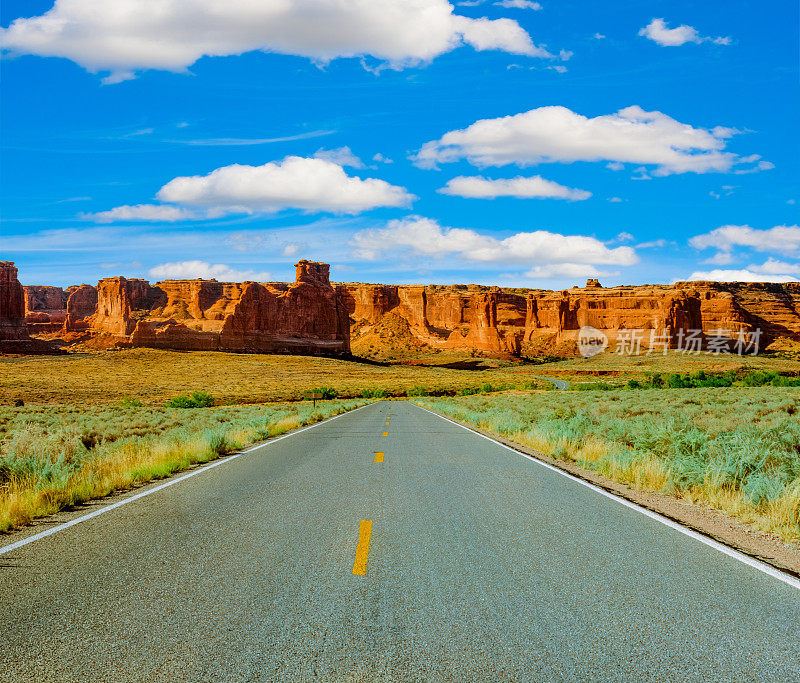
513	321
81	305
12	304
312	317
45	308
307	317
43	298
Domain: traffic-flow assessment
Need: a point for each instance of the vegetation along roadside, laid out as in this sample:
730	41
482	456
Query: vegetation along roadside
736	450
56	456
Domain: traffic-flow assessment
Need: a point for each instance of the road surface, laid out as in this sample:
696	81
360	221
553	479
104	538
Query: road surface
560	384
427	553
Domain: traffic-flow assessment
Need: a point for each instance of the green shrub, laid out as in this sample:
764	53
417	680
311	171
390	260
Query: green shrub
197	399
328	393
129	403
417	391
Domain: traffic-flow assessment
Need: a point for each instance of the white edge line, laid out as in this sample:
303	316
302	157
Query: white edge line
721	547
203	468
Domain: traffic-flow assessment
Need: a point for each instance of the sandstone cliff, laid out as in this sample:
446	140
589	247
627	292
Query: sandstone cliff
305	317
311	316
45	308
81	306
527	321
12	304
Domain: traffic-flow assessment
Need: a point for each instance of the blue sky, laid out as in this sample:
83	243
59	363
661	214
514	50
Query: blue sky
644	142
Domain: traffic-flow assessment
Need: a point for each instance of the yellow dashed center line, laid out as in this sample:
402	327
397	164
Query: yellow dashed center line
362	550
385	434
378	456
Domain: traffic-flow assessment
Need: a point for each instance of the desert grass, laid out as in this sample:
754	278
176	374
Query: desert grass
53	457
153	376
635	366
734	449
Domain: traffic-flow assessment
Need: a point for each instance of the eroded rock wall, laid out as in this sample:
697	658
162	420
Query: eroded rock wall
81	306
12	304
306	317
501	321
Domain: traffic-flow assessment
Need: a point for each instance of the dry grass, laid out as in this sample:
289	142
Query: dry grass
56	457
154	376
673	361
734	449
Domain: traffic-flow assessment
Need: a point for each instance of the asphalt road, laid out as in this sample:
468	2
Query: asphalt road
479	564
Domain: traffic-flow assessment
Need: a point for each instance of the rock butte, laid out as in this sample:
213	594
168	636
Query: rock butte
311	316
12	305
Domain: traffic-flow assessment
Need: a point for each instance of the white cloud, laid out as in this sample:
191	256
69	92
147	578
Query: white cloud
379	158
739	276
774	267
721	258
518	4
557	134
144	212
294	182
484	188
615	200
567	270
341	155
654	244
598	36
425	237
760	166
779	239
658	32
126	36
180	270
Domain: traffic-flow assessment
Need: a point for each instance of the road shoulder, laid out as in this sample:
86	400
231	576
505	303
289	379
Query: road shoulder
711	523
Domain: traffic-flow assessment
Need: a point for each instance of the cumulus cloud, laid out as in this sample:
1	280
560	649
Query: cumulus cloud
341	155
179	270
568	270
745	275
775	267
294	182
309	184
557	134
539	249
784	239
484	188
143	212
658	32
126	36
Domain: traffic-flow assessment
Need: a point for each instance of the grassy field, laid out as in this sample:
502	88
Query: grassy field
734	449
612	364
93	423
55	456
154	376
